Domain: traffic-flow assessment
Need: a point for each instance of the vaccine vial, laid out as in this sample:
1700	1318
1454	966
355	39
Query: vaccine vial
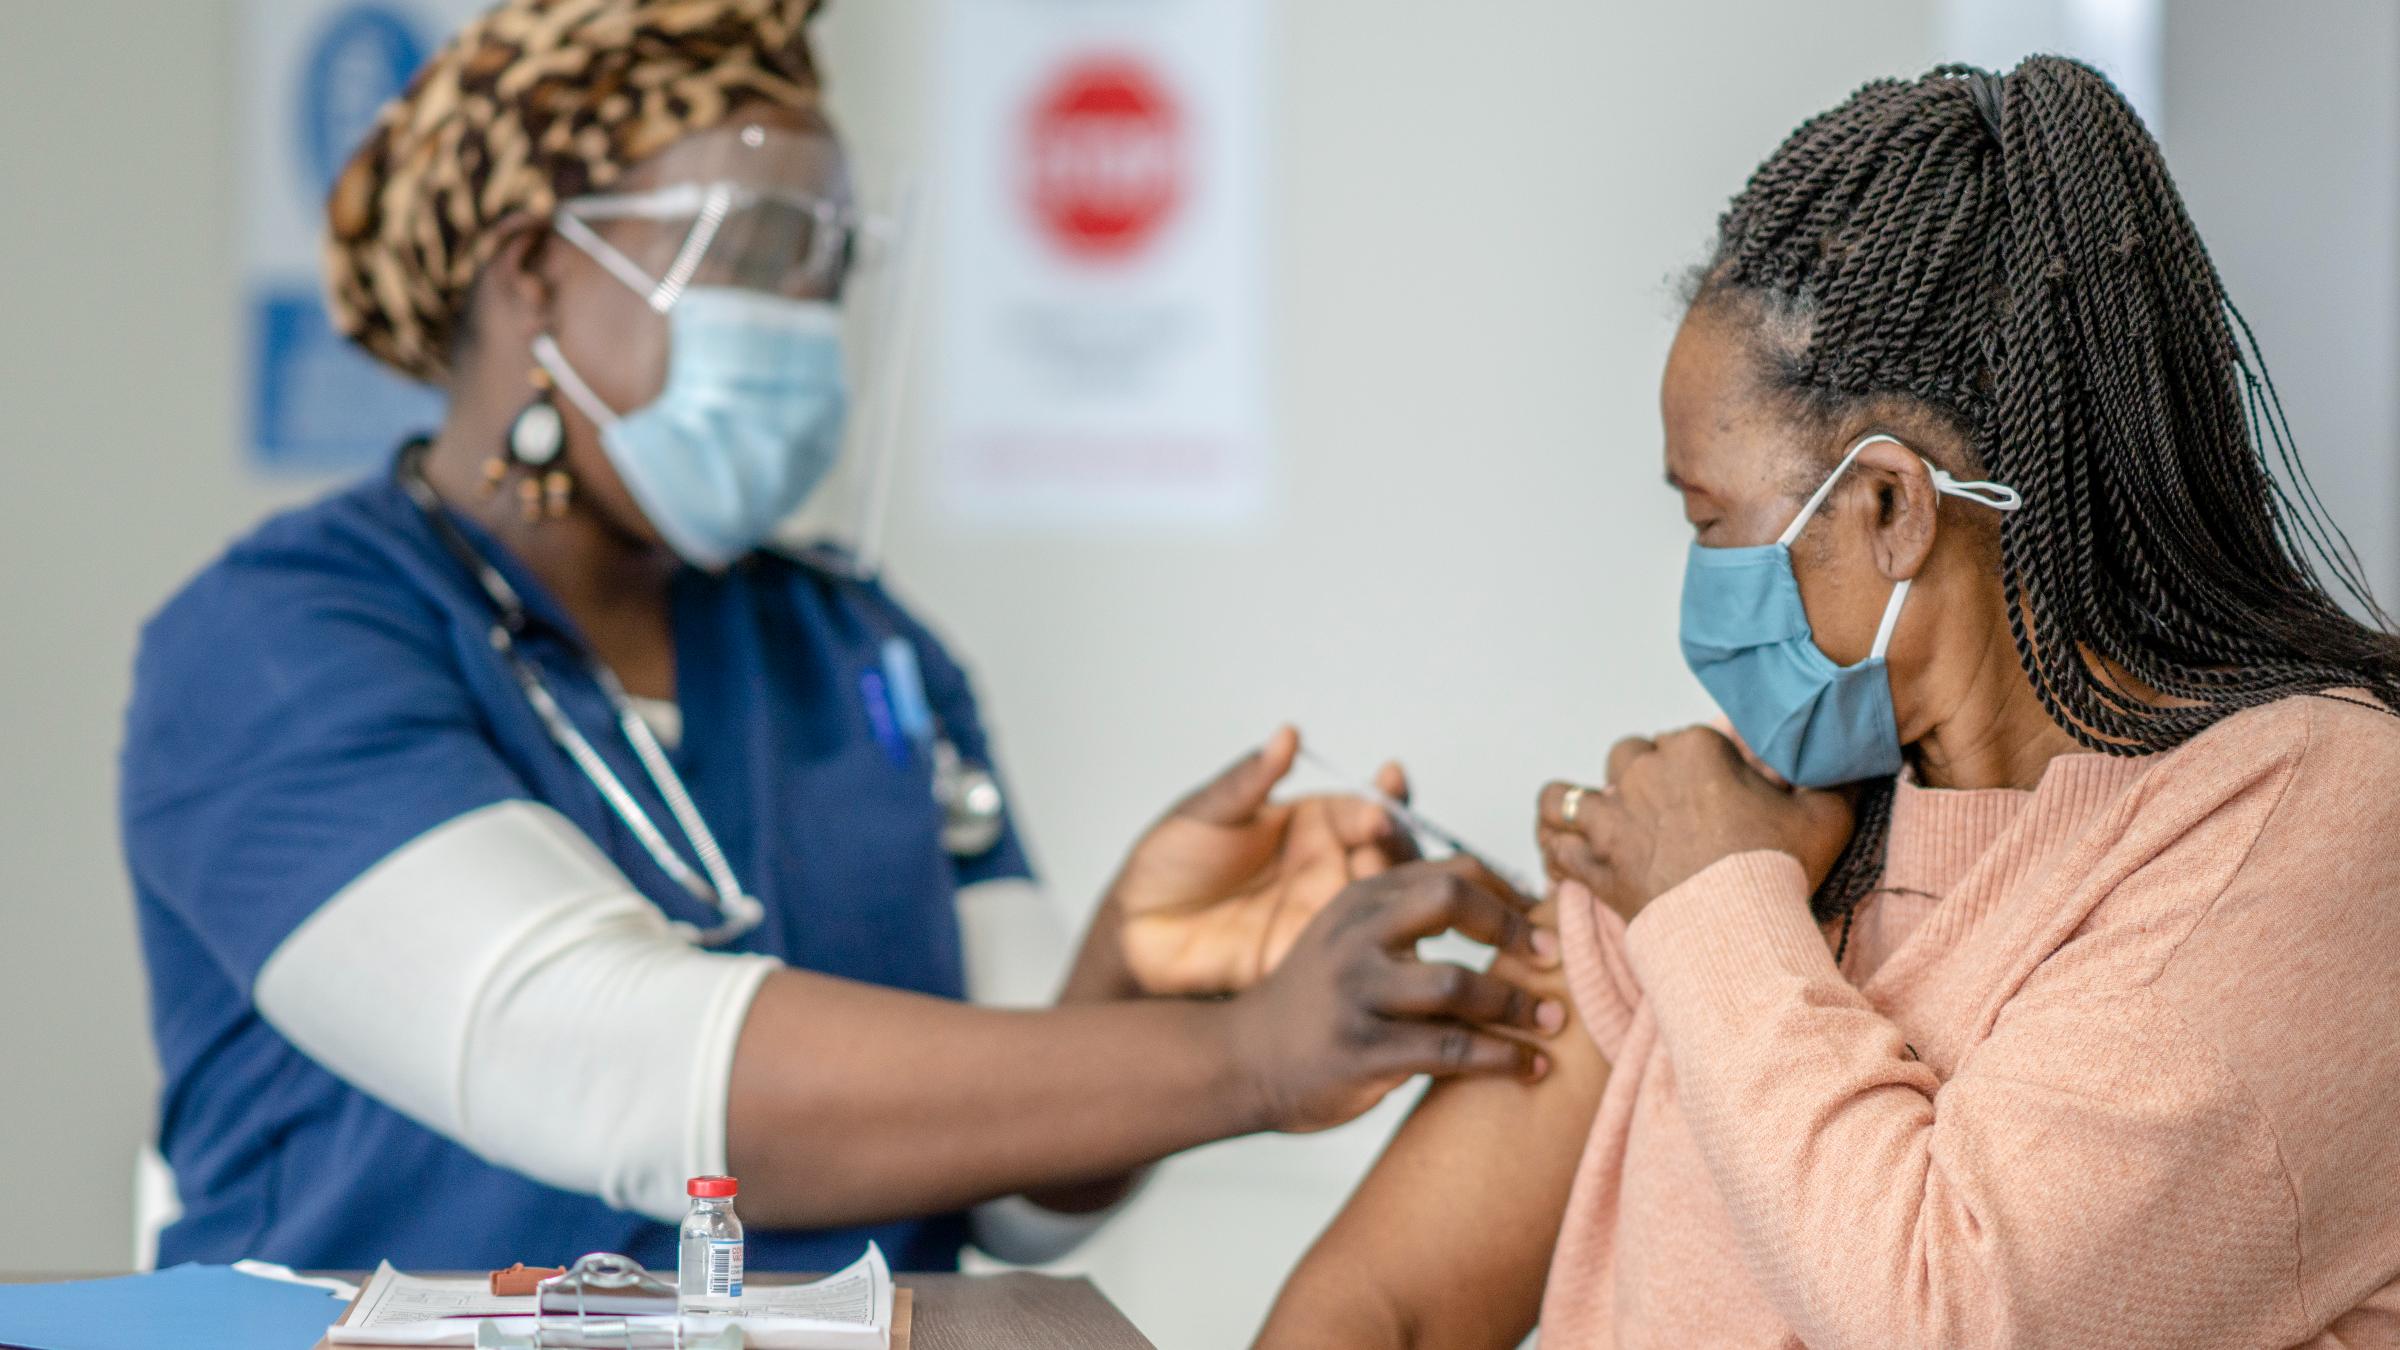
708	1259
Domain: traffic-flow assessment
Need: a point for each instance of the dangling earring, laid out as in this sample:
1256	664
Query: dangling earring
558	488
535	438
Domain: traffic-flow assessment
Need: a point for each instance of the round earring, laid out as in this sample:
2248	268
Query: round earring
538	433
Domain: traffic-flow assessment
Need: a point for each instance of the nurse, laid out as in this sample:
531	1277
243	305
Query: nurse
516	836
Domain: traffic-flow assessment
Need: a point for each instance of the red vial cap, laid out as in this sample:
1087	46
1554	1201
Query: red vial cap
713	1188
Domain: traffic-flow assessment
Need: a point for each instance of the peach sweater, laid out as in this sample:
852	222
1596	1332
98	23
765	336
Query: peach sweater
2113	1062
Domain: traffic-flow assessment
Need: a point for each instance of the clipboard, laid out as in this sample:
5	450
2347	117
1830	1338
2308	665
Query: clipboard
904	1301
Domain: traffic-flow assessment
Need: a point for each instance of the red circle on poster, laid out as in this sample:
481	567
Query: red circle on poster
1104	157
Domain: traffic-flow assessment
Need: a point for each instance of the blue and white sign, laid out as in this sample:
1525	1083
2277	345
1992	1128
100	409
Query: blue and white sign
315	73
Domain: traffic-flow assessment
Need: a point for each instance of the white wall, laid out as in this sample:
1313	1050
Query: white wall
1468	561
117	477
2285	137
2282	128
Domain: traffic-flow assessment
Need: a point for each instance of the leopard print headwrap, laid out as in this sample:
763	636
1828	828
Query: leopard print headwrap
535	102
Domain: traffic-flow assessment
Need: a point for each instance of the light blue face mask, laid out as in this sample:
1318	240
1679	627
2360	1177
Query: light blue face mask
1746	636
749	423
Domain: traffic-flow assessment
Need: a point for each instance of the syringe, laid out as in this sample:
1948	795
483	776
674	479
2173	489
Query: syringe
1414	821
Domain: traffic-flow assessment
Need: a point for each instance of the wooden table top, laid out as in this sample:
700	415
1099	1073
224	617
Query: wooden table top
1018	1310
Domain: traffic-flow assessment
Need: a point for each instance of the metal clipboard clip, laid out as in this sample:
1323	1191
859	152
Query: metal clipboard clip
605	1302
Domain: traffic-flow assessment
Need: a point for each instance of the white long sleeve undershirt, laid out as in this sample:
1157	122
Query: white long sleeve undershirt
499	981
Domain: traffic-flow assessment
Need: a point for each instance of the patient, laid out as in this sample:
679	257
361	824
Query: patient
2056	1006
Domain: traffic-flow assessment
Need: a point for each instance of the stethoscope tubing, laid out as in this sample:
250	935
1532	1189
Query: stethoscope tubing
738	910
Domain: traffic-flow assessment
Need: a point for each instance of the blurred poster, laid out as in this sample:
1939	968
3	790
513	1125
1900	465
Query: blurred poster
1102	315
314	74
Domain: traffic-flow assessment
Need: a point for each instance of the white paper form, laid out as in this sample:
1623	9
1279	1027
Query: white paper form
397	1309
860	1295
848	1310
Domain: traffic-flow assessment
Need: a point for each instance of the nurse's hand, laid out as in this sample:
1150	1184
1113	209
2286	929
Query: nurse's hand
1352	1013
1672	807
1217	892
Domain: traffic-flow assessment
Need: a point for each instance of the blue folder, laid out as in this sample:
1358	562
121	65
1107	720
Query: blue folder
186	1307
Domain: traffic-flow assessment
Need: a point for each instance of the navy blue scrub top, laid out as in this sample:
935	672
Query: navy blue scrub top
327	691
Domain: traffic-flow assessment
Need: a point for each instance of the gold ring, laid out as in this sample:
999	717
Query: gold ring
1572	803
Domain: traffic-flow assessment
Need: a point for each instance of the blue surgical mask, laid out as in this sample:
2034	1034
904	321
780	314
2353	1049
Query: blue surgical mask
749	423
1746	636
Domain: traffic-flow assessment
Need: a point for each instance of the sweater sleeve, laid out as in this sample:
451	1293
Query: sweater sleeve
1592	939
2093	1175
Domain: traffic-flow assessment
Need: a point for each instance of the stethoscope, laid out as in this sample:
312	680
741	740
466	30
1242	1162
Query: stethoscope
974	810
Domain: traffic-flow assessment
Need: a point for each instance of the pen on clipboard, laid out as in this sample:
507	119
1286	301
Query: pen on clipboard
1414	821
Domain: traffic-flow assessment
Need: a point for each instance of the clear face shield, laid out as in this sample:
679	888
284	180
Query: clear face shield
760	215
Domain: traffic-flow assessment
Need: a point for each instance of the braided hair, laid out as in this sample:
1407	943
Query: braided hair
2009	255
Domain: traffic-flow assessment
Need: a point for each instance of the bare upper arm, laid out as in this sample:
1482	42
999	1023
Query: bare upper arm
1448	1239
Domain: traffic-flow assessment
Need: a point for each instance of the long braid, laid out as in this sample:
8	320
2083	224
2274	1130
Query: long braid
2011	254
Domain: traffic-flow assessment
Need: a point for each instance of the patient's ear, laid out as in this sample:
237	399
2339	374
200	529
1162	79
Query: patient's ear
1907	509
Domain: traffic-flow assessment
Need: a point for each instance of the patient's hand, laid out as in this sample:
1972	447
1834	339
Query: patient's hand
1672	807
1215	894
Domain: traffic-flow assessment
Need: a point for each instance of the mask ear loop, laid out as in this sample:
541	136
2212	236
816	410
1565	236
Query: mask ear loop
1891	619
545	350
1891	607
1825	489
1982	492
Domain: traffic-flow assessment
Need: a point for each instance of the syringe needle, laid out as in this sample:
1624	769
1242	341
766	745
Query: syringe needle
1412	819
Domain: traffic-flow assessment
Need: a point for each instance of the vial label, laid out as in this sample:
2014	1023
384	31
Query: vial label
725	1268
